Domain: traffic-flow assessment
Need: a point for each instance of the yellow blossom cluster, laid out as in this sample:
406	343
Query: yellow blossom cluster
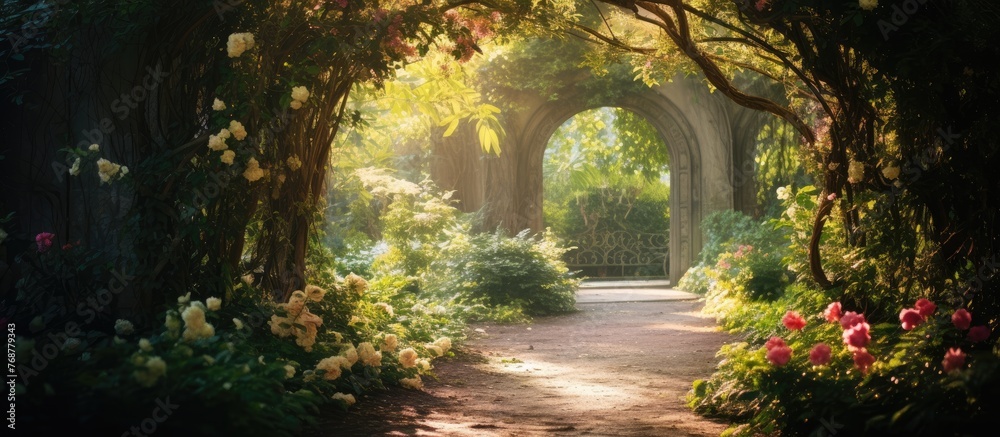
239	43
253	171
195	326
299	96
107	170
355	284
150	371
296	313
294	163
389	343
368	355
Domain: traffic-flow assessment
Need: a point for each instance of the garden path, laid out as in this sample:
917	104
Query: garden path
610	369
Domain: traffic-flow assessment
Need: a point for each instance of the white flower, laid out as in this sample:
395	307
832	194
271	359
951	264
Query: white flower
184	299
295	104
868	4
855	172
94	148
239	132
346	398
408	358
124	327
145	345
225	133
124	170
300	93
783	193
75	169
385	307
289	371
891	172
294	163
216	142
414	383
238	323
227	385
227	157
218	105
214	303
390	342
354	320
239	43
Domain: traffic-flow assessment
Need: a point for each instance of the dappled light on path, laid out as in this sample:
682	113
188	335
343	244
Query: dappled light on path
611	369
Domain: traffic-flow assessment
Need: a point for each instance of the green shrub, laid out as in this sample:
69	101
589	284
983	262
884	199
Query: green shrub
522	272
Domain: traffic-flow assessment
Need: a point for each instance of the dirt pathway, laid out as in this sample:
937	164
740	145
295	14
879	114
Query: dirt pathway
612	369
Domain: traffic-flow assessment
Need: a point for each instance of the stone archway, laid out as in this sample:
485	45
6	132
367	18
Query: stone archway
710	142
684	159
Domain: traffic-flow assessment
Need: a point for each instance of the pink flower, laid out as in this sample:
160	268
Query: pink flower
833	312
925	307
979	333
961	319
723	264
44	241
832	196
857	337
820	354
780	355
910	318
793	321
774	342
863	360
761	4
850	319
953	359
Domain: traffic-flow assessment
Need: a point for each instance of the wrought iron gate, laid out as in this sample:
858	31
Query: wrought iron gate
621	252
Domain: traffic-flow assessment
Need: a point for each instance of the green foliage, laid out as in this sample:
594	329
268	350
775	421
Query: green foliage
522	272
898	392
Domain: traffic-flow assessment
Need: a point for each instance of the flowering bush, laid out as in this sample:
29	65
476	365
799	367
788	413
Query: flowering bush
869	363
523	272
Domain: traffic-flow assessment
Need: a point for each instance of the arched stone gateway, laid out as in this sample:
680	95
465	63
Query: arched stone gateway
710	142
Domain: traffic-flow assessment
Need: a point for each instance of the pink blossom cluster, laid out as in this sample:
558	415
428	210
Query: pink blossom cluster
44	241
778	353
744	249
913	317
857	334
